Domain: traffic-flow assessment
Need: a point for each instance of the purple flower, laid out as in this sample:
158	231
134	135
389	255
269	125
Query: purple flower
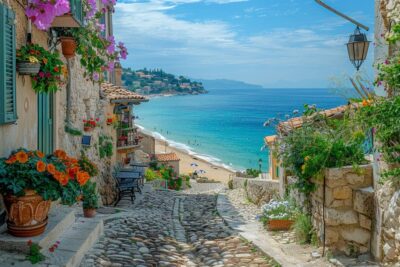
43	12
96	76
92	9
123	52
111	46
110	65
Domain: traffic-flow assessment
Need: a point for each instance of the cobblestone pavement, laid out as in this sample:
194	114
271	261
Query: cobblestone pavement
167	228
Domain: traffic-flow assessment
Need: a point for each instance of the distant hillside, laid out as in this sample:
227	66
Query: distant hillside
150	82
222	84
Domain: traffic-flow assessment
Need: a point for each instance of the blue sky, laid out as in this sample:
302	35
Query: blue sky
274	43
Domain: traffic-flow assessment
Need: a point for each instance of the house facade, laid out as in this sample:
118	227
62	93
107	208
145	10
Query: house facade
50	121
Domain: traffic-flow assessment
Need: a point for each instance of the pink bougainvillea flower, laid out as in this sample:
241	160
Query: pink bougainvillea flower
43	12
111	46
92	9
96	76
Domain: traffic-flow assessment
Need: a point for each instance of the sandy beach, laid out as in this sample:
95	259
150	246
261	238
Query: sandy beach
212	171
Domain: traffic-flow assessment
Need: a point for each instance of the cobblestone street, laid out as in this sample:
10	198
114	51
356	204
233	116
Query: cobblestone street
166	228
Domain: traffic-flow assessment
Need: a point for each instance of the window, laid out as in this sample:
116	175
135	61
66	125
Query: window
8	106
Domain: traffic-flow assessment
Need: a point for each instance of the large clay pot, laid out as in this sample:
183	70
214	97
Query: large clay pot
27	215
89	213
68	46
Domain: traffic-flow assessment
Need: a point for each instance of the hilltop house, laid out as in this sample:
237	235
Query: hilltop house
49	121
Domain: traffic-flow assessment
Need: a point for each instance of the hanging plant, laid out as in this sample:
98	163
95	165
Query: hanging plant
98	53
43	12
48	79
27	61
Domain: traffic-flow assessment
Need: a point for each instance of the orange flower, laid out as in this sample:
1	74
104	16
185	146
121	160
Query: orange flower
51	169
64	179
57	175
39	154
82	178
60	154
22	157
11	159
45	61
40	166
365	103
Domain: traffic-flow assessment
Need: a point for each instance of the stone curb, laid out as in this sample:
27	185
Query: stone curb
250	232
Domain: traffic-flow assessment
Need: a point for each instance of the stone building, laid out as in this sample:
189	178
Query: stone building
168	159
44	121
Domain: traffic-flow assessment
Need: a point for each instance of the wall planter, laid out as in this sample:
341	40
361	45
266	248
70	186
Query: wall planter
279	225
27	215
88	129
28	68
68	46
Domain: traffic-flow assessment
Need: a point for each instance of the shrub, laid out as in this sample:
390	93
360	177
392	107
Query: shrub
320	143
303	228
150	175
253	172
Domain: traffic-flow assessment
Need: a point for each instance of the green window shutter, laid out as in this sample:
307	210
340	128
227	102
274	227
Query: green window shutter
8	105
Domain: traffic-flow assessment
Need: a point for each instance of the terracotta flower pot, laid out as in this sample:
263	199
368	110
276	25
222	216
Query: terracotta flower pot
279	225
89	213
88	129
27	215
68	46
28	68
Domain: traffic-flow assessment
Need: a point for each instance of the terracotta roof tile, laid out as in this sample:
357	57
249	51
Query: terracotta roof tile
270	139
166	157
113	92
297	122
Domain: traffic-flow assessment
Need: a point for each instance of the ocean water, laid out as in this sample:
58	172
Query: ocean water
226	126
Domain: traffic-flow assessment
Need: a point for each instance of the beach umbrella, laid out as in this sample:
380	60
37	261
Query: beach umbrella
202	171
194	164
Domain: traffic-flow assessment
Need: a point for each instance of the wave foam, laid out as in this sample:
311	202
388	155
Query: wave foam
187	149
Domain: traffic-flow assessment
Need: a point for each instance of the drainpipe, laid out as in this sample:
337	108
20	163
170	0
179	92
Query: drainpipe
68	116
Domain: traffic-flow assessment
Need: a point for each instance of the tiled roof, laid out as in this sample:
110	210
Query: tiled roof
297	122
113	92
270	139
167	157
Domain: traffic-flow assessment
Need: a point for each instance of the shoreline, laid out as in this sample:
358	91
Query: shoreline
213	170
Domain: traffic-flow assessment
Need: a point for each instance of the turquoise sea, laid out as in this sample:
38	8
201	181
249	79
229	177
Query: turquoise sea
226	126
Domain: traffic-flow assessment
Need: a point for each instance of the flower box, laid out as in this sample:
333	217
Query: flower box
279	225
73	19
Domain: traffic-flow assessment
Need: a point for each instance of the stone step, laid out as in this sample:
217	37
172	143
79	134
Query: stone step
75	242
60	219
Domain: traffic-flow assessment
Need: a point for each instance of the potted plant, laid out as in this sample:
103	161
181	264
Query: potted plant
68	43
29	181
277	215
89	200
110	120
27	61
48	78
122	140
89	125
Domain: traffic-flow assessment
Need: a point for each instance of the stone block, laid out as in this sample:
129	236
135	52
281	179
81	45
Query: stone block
334	177
356	234
331	236
365	222
364	201
342	192
337	217
360	179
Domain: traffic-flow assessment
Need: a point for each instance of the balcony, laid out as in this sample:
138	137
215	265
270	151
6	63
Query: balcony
127	140
73	19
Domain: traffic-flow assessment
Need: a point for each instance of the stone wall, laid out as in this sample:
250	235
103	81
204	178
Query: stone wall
345	214
348	209
259	191
386	237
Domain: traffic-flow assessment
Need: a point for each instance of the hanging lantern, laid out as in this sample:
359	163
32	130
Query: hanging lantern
357	47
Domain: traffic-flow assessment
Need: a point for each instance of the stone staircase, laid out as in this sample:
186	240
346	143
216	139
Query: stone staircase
73	234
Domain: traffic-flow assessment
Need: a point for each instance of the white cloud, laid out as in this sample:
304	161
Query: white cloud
213	49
